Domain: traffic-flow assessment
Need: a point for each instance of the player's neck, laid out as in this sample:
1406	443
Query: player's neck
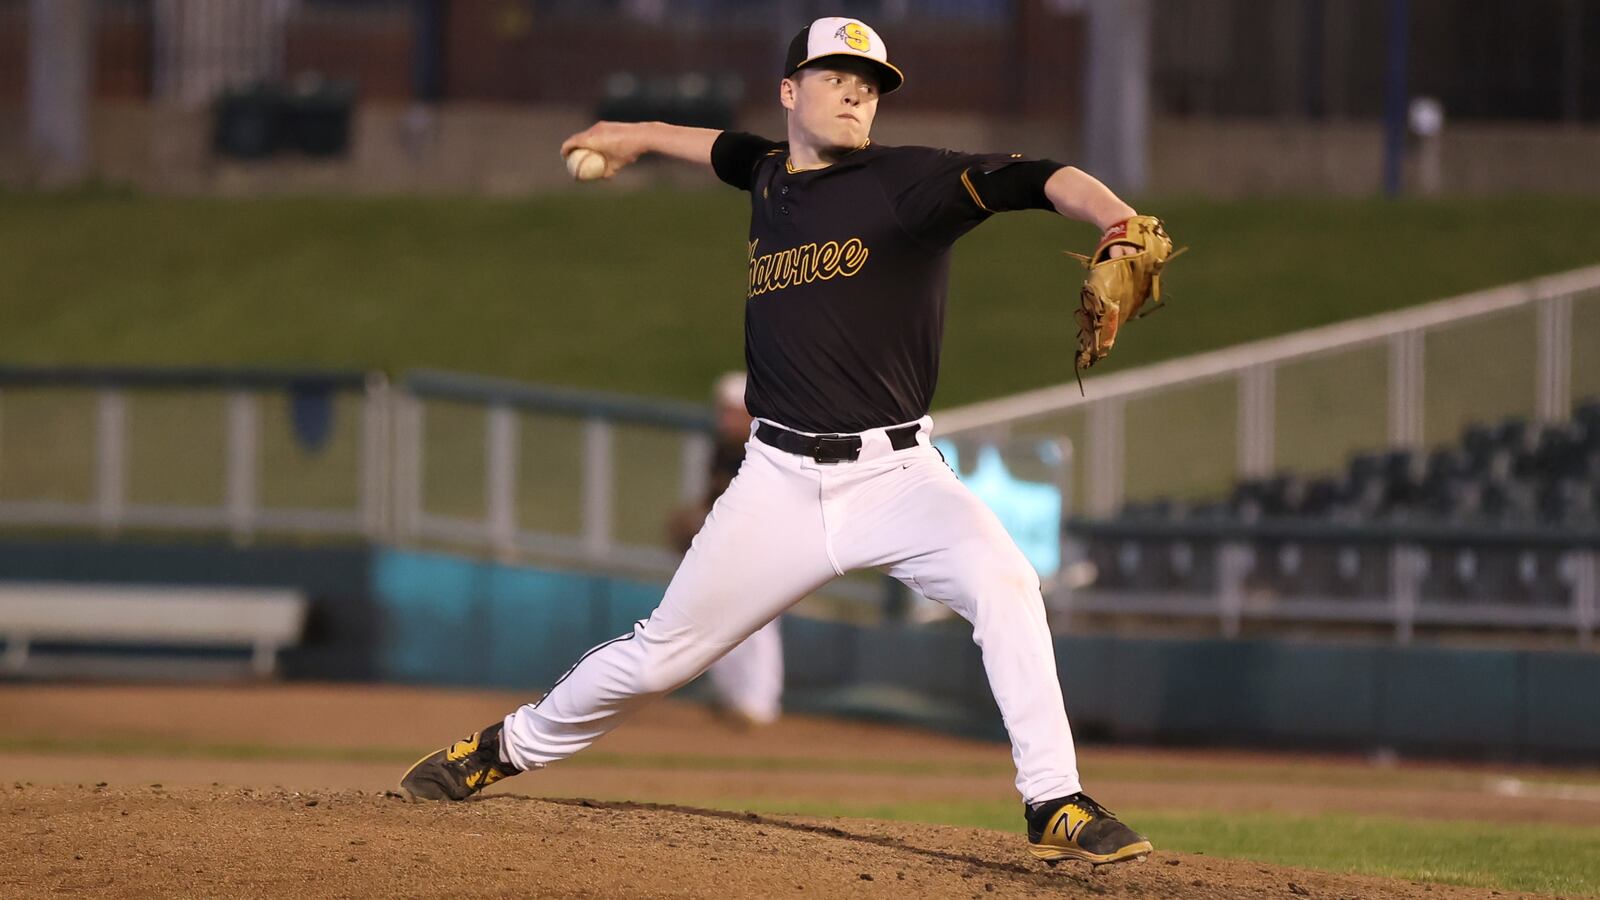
804	156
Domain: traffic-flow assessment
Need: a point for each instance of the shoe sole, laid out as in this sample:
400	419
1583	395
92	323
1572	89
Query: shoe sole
1053	855
412	795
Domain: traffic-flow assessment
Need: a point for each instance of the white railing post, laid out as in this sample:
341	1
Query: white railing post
1586	595
243	464
1235	560
1257	420
1058	592
1405	389
694	479
111	461
408	465
1106	462
598	474
379	458
500	478
1554	326
1405	588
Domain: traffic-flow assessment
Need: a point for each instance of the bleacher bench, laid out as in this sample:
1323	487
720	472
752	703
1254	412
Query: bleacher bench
87	617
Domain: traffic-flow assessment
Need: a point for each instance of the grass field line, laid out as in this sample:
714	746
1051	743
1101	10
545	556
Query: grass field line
1549	785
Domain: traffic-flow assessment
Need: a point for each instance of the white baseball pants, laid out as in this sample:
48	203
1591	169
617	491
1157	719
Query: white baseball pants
785	527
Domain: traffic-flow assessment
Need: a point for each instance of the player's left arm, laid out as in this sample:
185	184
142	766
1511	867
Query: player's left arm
1043	184
1078	195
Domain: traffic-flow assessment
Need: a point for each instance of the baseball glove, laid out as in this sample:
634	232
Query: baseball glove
1120	288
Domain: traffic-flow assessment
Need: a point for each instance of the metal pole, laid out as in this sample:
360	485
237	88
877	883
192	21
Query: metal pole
244	426
380	459
1256	439
1572	60
694	479
408	464
500	479
60	63
1116	123
1586	599
597	483
1105	457
112	463
1405	390
1060	598
1234	563
1554	400
1405	586
1395	95
427	51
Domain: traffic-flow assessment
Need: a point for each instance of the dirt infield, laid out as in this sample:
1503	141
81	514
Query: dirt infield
238	842
282	791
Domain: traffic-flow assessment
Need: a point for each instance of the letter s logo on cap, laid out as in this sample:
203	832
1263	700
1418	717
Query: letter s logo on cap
854	36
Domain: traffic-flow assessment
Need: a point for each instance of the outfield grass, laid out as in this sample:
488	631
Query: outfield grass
641	292
1177	770
1557	859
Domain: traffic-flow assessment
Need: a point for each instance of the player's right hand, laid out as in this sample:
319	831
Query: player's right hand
619	142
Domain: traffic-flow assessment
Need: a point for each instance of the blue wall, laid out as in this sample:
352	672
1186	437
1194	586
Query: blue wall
392	615
453	620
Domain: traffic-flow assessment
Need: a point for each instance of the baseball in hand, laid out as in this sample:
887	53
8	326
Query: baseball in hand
586	164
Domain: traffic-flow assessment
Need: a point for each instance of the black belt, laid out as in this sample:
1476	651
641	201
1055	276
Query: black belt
831	448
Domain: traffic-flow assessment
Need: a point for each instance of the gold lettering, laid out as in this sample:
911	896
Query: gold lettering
804	264
855	256
829	264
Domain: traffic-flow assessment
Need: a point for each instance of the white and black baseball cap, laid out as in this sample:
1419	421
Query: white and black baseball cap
833	36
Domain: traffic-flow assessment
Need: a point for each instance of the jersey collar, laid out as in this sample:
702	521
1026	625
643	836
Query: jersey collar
788	162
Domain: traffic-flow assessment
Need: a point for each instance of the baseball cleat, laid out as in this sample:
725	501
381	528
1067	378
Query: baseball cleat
459	770
1076	827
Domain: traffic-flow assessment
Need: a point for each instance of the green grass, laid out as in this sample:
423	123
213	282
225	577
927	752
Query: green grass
641	292
1180	770
1518	857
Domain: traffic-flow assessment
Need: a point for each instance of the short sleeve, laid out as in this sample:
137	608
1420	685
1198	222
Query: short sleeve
939	195
734	155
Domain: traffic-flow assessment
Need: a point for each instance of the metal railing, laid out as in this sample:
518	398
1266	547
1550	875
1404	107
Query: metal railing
1400	577
1411	379
540	472
507	468
186	450
1306	400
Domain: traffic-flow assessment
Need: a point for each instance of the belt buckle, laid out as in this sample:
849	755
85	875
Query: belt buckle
848	444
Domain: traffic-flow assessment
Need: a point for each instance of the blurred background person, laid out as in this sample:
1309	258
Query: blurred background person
747	684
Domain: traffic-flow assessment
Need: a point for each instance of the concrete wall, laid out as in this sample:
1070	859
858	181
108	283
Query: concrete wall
509	150
1244	157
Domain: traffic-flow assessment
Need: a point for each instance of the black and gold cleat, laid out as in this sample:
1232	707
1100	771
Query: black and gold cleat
1076	827
459	770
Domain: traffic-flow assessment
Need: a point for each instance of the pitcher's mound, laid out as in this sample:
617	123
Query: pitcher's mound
104	841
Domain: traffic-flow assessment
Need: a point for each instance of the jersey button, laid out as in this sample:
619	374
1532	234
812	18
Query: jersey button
784	210
784	190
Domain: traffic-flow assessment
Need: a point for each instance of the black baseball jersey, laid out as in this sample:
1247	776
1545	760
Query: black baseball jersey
848	272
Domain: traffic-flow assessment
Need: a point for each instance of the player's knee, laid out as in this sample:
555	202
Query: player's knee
666	668
998	574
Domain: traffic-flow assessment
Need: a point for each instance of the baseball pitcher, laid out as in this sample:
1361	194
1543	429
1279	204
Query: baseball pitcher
849	255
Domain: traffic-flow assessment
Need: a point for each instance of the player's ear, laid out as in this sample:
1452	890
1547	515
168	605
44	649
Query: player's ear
786	93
